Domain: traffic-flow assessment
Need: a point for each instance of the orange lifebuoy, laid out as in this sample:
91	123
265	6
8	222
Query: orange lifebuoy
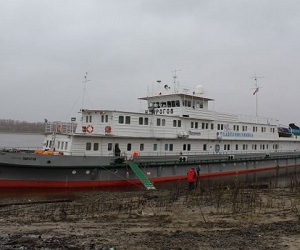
107	129
90	129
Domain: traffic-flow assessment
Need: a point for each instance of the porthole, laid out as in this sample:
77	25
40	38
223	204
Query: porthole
87	172
74	172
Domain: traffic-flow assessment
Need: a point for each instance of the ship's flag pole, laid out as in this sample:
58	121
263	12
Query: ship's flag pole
256	89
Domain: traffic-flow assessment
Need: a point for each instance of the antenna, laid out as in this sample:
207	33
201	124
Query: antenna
257	87
175	77
84	88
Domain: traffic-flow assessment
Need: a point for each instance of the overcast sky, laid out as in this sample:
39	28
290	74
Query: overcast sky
46	47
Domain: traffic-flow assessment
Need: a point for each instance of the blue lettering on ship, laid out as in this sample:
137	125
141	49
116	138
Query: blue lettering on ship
237	134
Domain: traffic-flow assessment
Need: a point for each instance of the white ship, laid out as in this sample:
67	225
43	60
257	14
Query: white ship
177	131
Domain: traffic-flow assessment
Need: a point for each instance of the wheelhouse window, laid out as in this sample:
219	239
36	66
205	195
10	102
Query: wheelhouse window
204	147
142	147
154	147
109	146
66	145
128	146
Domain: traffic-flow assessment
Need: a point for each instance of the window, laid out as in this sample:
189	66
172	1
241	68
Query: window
109	146
86	119
96	146
121	119
174	123
128	146
58	145
163	122
158	122
154	147
146	121
171	147
88	146
66	145
141	121
127	119
166	147
142	147
196	124
177	123
184	147
203	125
62	145
212	126
189	147
192	124
204	147
236	146
102	118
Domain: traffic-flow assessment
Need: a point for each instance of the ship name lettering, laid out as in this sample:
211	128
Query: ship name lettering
29	158
164	111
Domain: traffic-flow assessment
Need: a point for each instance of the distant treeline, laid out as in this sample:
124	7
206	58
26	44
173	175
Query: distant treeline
21	126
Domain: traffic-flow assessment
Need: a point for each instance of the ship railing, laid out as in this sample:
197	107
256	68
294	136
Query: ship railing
65	128
257	119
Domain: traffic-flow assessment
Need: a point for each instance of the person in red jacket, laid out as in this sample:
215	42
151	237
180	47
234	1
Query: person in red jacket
191	177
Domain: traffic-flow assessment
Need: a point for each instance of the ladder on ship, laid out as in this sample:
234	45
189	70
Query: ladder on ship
139	173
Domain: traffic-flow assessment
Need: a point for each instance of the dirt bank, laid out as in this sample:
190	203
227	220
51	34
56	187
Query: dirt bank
237	218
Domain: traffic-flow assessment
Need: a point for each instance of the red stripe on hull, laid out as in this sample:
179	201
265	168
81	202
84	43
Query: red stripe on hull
118	183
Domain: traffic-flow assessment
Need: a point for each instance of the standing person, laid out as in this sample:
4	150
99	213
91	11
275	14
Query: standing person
191	176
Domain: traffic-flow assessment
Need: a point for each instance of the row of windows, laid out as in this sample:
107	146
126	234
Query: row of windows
177	123
61	145
176	103
170	147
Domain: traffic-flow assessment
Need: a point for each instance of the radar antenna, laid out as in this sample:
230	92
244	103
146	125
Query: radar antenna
256	89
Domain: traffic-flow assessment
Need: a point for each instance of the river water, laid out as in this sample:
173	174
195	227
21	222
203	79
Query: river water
25	141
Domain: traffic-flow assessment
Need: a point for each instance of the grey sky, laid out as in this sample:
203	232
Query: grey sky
47	46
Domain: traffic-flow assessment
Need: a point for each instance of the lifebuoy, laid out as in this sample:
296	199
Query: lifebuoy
107	129
90	129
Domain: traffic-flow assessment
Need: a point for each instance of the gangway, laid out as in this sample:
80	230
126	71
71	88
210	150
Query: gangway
139	173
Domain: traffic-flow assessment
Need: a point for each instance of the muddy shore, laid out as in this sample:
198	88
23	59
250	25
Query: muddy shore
211	218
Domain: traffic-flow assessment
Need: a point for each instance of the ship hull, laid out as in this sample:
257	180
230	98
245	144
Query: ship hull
29	170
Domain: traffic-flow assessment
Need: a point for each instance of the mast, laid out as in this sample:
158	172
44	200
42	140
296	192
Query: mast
84	89
257	87
175	77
